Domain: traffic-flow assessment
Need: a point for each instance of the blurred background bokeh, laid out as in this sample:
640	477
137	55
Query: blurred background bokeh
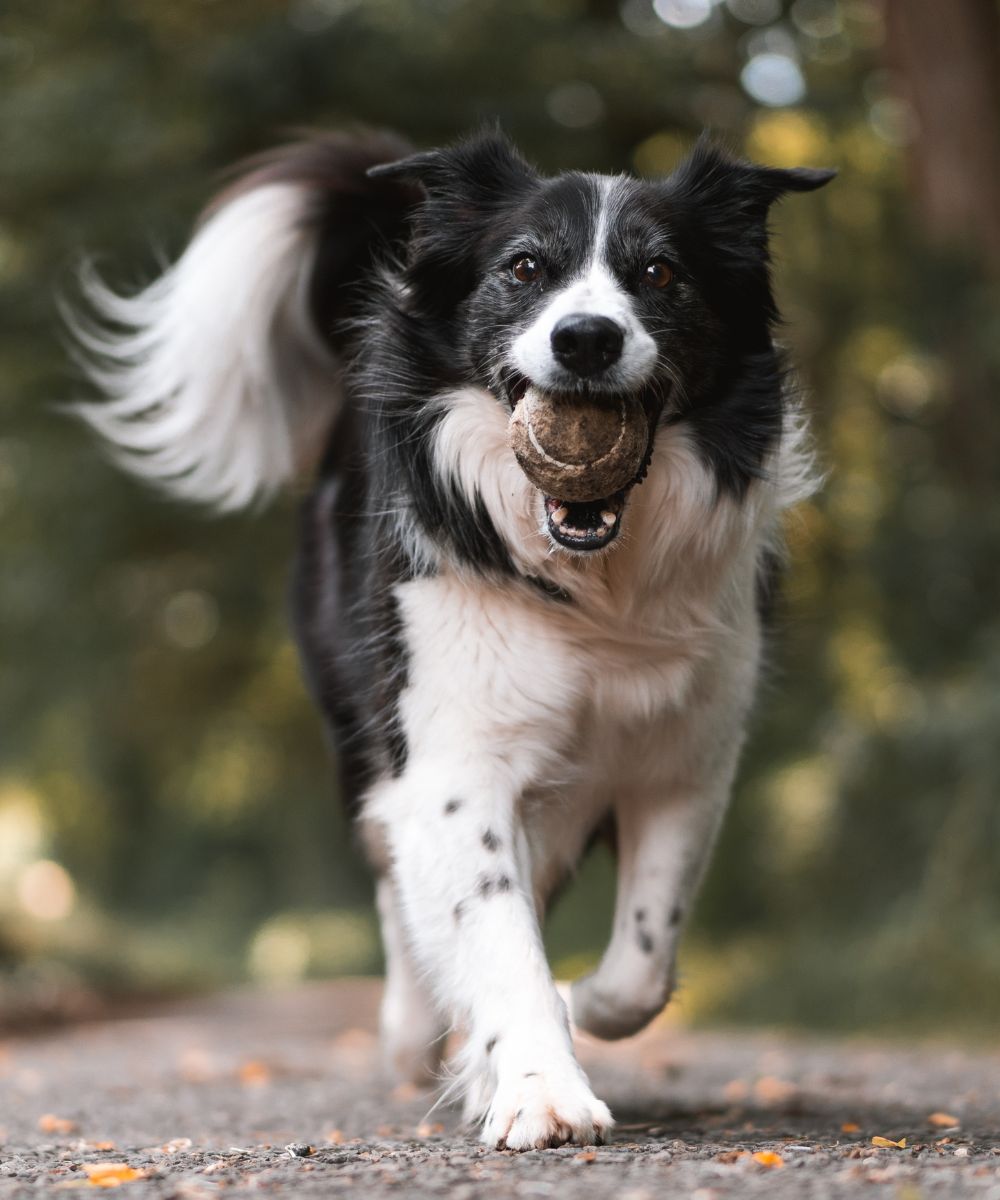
168	818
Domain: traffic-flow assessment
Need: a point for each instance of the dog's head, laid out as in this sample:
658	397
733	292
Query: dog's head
583	291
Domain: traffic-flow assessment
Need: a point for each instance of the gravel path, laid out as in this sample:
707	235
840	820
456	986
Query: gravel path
278	1093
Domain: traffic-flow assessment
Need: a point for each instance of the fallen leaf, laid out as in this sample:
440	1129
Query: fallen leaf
767	1158
50	1123
943	1120
771	1090
850	1127
335	1136
174	1146
585	1156
889	1144
111	1174
254	1074
197	1065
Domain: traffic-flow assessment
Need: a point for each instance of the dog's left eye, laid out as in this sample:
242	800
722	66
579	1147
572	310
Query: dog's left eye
526	269
657	274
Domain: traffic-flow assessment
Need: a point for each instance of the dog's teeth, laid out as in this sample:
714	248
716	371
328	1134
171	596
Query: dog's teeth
609	518
560	514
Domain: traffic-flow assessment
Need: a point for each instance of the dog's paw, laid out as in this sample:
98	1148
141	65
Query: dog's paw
619	1011
413	1042
539	1110
415	1060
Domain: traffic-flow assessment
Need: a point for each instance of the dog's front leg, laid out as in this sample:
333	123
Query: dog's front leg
668	810
413	1030
663	845
461	868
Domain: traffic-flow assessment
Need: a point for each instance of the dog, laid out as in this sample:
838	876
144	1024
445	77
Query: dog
506	674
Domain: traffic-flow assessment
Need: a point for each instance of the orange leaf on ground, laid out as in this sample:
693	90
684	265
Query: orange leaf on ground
889	1144
336	1136
111	1174
850	1127
943	1120
255	1074
771	1090
767	1158
50	1123
587	1156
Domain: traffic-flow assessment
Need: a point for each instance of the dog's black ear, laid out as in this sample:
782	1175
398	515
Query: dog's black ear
798	179
712	179
485	167
719	205
468	187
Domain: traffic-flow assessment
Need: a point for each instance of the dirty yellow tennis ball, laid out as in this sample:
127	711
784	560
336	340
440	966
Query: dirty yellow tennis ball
575	450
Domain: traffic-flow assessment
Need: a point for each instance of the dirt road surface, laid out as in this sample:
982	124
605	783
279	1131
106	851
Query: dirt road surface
279	1093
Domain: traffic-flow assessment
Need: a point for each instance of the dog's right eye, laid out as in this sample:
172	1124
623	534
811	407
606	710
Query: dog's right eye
526	269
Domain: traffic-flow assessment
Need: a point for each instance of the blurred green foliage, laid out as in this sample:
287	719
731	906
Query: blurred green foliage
167	815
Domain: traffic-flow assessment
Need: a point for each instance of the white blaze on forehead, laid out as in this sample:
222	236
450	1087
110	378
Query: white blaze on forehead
596	292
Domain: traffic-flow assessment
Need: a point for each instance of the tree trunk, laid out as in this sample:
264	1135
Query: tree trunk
946	54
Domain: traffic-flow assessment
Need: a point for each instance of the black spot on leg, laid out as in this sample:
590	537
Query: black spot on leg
458	911
491	1045
640	915
488	884
530	1074
452	807
645	942
490	840
676	913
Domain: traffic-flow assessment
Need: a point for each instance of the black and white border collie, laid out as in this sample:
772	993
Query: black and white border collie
506	675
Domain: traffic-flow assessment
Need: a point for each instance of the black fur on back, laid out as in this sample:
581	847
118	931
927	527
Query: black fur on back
359	218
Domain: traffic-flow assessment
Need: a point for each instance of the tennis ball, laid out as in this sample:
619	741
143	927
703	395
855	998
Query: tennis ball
575	449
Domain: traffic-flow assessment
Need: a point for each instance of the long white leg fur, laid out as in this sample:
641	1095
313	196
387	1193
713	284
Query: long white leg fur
476	731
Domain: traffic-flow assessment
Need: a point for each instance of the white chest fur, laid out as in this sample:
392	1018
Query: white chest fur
673	595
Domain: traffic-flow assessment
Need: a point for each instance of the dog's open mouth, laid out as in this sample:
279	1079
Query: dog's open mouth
584	525
569	445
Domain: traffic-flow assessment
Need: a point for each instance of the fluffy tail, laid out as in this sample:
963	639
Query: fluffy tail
222	375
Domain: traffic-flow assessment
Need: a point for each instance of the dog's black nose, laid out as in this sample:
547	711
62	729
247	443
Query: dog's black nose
586	344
